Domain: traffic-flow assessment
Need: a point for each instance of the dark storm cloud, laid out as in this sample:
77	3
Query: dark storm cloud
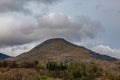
20	5
15	32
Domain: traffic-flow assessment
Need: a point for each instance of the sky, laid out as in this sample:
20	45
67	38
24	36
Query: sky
94	24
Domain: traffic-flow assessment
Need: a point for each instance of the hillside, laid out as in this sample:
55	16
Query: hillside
60	50
43	62
3	56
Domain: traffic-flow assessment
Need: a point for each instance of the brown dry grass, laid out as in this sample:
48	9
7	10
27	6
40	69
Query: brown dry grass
18	74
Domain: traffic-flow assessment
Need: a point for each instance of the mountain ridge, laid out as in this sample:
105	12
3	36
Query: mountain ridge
57	40
3	56
58	47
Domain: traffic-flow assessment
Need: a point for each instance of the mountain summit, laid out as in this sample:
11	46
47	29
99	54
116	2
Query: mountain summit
60	50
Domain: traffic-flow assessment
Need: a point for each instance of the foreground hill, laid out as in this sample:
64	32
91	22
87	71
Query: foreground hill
3	56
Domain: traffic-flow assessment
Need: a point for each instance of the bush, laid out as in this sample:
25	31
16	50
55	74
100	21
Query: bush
44	78
53	66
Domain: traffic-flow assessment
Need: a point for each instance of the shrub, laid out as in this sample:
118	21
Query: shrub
44	78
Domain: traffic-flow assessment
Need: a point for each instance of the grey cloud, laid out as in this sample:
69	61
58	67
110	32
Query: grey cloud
20	5
67	27
48	1
49	26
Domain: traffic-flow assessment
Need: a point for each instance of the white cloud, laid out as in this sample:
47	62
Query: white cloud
17	50
101	49
106	50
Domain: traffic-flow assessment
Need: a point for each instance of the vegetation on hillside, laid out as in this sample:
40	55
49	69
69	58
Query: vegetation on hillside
12	70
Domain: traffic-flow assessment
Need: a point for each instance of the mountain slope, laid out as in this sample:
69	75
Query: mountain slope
3	56
61	50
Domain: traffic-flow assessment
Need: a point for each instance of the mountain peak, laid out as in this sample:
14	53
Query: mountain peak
56	40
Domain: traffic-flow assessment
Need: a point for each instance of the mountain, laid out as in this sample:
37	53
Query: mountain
97	66
3	56
60	50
